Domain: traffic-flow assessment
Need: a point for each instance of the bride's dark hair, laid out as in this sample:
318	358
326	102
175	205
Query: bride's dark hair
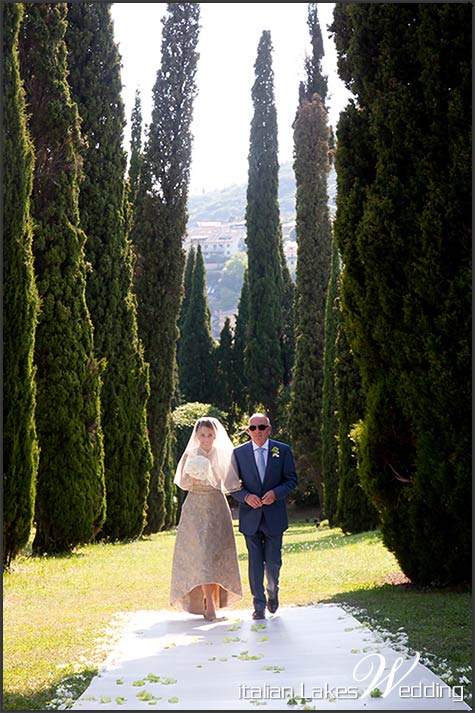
205	423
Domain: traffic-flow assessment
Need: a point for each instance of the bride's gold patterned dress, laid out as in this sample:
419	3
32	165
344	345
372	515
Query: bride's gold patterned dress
205	552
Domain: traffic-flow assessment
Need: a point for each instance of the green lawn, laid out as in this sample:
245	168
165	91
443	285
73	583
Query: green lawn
62	615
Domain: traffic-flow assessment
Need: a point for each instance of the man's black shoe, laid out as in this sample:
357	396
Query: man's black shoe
273	604
258	614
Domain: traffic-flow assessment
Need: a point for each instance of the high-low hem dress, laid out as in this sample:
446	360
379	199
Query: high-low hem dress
205	552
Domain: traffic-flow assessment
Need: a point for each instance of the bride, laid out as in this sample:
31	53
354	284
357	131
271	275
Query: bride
205	571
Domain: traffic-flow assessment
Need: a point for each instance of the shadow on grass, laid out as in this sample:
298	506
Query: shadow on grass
330	541
437	621
434	621
72	687
304	530
29	556
325	542
80	552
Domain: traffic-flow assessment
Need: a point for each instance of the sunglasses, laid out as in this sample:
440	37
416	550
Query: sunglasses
261	427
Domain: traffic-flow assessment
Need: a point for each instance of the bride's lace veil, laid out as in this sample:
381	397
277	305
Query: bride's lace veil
224	475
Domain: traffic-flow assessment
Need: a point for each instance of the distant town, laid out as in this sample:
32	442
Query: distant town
220	242
223	241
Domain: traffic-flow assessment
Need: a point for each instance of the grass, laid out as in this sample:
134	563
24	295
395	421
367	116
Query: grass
62	615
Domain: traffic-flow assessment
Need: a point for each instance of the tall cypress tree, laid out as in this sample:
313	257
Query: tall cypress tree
135	163
404	233
316	82
224	370
197	344
313	227
287	338
241	390
169	470
20	303
263	353
70	500
135	147
345	502
330	415
311	166
95	82
354	510
160	219
187	282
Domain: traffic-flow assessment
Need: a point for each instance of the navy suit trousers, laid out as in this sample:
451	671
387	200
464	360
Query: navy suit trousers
264	555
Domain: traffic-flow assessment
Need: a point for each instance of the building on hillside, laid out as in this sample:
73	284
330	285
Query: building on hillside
219	241
288	231
290	253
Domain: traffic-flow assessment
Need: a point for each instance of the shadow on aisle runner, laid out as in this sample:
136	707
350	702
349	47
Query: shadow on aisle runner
301	658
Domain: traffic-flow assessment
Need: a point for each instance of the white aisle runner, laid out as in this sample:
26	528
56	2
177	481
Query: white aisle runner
322	654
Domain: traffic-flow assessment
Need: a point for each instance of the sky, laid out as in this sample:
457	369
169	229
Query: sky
227	45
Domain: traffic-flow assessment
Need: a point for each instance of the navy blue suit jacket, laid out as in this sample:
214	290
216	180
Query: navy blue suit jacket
280	477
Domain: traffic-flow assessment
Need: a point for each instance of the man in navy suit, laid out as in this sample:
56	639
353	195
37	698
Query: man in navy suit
267	472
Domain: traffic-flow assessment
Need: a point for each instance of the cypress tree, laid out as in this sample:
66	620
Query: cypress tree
354	511
224	373
287	339
311	166
316	82
169	470
287	343
345	502
313	228
135	164
405	240
70	500
20	303
96	88
330	414
160	219
263	353
197	343
187	281
241	390
135	147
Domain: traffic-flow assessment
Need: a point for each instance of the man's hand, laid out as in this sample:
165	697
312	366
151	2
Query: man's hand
268	498
253	501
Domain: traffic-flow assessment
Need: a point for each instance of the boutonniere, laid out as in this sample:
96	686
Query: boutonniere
275	452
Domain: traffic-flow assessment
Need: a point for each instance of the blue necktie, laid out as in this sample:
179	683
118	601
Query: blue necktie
261	465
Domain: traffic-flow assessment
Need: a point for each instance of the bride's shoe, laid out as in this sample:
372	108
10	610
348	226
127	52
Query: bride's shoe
210	614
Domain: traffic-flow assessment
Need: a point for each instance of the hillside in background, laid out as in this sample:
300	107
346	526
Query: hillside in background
217	222
229	204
